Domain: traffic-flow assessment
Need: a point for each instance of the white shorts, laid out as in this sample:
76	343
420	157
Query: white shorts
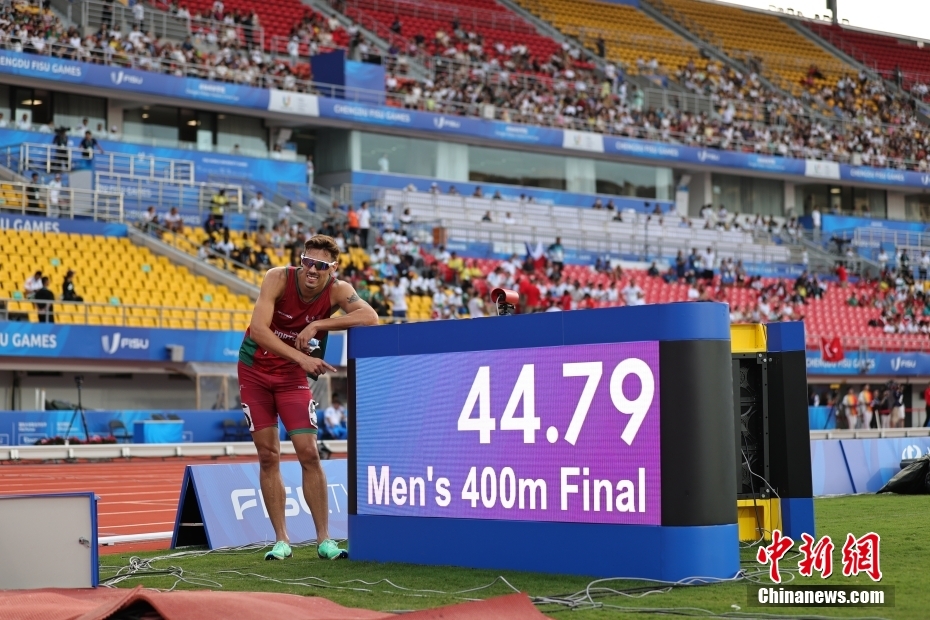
898	412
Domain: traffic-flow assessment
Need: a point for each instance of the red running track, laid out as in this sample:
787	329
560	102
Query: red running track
136	497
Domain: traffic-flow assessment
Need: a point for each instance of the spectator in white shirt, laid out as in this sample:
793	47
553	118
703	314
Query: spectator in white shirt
33	284
226	246
83	128
765	310
496	278
364	224
882	259
334	420
256	206
707	263
3	122
173	221
138	13
387	219
405	219
396	292
475	307
24	124
285	212
508	219
631	294
54	196
149	219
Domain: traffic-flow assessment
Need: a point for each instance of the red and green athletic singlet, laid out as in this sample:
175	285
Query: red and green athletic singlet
291	316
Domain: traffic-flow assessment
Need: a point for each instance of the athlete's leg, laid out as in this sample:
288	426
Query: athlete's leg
316	491
269	461
258	406
298	413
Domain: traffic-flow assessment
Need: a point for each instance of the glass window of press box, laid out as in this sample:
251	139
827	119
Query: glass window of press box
460	162
749	194
917	207
859	201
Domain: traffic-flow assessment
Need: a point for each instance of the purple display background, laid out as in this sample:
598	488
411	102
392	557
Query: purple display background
407	411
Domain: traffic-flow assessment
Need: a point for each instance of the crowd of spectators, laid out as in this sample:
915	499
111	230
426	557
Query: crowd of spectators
898	293
26	28
867	124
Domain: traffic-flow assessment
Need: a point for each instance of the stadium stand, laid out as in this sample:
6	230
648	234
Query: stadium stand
244	256
282	19
568	93
888	55
631	38
121	283
781	52
474	27
595	230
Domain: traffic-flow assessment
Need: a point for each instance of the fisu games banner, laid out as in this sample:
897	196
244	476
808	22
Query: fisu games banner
902	364
132	80
28	223
20	339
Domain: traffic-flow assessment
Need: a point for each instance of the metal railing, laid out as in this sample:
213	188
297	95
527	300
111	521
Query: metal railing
49	158
62	203
123	315
138	194
161	23
467	17
874	237
644	244
639	236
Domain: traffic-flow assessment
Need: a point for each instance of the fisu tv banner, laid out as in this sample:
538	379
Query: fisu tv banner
567	434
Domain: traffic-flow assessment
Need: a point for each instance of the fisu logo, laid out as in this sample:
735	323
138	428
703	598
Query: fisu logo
119	77
109	346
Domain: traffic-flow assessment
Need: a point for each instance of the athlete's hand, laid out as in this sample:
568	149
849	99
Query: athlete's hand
304	337
315	366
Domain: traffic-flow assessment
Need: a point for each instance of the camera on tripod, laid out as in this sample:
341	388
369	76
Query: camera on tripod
78	411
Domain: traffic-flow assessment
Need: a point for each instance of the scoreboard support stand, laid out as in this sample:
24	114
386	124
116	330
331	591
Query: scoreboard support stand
770	401
619	424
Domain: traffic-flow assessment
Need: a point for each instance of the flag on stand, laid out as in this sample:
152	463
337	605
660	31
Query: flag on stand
831	349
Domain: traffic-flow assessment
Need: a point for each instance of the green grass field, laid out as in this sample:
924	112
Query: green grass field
900	520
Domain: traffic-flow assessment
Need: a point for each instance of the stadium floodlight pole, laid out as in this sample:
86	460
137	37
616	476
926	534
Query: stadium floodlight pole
831	4
79	409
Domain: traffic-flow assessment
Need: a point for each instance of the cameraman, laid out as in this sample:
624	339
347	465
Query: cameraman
59	154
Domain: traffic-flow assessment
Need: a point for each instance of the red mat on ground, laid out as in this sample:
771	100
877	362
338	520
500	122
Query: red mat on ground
98	604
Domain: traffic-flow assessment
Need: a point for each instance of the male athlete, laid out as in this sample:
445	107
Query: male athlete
294	308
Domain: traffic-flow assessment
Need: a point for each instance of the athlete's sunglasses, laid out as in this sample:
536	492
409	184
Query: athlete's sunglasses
321	265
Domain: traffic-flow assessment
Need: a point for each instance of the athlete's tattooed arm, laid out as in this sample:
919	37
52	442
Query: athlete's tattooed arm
357	312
